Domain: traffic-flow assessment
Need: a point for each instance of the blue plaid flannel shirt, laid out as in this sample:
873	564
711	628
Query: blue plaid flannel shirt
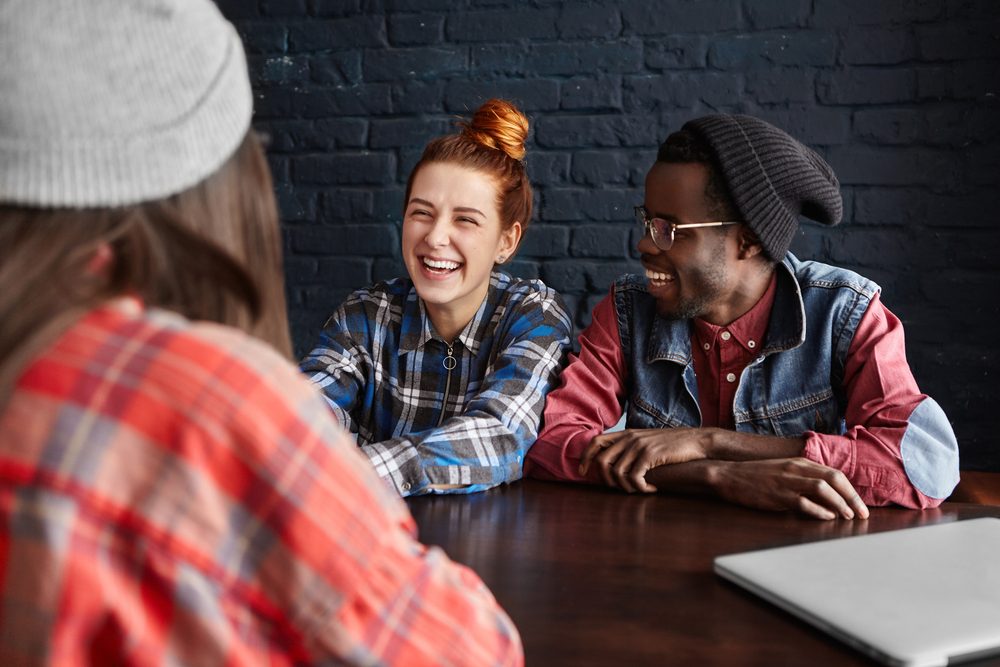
381	367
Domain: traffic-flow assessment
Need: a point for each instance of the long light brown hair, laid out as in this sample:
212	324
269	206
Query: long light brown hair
212	252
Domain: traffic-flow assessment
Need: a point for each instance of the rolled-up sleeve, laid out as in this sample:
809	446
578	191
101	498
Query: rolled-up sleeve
589	399
898	447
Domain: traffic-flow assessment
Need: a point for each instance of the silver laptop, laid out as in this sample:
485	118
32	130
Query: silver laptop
919	596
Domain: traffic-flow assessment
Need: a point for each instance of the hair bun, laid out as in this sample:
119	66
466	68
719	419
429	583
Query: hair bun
500	125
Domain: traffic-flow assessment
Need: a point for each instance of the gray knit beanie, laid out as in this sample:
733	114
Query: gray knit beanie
113	102
771	177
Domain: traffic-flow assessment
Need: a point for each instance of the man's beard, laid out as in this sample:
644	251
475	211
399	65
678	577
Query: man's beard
689	307
706	286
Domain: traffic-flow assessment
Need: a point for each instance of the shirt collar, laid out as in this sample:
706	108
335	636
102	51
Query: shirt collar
748	329
670	340
416	327
788	316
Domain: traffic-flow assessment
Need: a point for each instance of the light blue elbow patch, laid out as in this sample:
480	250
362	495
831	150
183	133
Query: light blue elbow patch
930	451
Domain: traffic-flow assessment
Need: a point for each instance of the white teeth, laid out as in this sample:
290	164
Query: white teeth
441	264
656	275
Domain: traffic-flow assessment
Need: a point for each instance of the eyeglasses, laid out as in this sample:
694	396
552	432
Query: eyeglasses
662	231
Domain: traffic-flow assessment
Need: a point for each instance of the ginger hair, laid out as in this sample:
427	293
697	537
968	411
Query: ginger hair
492	142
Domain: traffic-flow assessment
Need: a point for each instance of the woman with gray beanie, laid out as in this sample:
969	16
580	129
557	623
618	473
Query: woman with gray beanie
172	491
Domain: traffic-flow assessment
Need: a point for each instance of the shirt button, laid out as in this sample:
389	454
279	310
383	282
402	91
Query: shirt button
725	335
406	486
730	377
706	346
751	344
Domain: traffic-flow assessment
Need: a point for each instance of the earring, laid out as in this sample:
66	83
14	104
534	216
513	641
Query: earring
501	259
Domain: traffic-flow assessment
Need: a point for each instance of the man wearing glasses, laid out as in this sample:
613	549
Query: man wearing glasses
743	371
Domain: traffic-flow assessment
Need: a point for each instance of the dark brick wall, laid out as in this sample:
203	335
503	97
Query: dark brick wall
900	95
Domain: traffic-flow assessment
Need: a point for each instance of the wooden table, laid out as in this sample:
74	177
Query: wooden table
597	577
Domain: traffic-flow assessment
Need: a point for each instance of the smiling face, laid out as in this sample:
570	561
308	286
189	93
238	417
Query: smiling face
452	237
700	275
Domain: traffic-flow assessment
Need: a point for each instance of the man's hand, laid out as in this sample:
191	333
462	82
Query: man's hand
789	484
776	483
624	457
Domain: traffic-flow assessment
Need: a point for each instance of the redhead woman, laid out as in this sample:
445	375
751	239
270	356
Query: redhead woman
443	375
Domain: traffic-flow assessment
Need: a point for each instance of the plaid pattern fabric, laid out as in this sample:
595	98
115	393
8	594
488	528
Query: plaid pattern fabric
176	494
382	369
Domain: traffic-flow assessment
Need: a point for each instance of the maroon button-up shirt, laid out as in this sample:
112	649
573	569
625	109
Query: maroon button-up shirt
720	355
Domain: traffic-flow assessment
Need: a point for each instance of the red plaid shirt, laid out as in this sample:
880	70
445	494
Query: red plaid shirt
176	493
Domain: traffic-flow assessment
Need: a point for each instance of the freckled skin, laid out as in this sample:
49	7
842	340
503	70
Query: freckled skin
452	217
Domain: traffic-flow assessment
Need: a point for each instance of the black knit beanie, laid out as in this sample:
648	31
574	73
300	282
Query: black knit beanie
771	177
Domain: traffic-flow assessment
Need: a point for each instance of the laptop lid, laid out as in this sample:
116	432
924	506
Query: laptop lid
918	596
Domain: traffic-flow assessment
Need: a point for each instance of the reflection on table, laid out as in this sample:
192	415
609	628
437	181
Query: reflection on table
597	577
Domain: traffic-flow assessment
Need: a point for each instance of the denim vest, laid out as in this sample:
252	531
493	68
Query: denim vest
794	385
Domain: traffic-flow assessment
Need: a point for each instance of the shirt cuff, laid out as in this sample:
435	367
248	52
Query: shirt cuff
399	466
833	451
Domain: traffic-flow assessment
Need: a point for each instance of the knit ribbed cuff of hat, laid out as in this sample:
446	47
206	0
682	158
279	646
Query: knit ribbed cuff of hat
772	178
167	113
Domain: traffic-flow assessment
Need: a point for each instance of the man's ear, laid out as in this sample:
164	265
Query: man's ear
748	245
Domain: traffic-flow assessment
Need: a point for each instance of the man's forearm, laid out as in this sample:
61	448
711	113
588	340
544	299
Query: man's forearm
693	477
729	445
775	484
622	459
702	476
